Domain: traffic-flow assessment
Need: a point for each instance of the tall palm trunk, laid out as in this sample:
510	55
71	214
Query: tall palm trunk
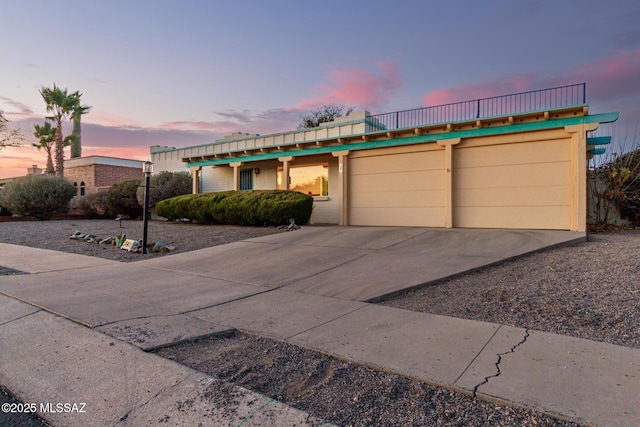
59	150
76	146
50	170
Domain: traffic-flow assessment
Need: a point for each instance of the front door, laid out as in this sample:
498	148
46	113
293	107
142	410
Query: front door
246	179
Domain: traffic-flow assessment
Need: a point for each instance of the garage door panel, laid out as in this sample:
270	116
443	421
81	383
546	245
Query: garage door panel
540	174
417	161
514	154
410	217
407	181
391	199
513	196
527	217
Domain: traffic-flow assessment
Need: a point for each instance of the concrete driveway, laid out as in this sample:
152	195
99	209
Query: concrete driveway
311	287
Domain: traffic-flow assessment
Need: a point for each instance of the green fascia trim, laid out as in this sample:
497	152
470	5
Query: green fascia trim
471	133
596	151
599	140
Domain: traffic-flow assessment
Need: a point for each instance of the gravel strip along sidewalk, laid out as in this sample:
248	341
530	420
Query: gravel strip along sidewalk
591	290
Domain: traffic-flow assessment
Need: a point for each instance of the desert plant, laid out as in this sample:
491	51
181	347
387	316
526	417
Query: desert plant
614	180
252	207
96	205
165	185
123	200
37	196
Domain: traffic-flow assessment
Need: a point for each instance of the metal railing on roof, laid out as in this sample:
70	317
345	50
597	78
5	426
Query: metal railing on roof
517	103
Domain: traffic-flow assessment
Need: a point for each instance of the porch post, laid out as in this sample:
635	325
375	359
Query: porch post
343	186
236	174
195	179
578	184
286	181
448	179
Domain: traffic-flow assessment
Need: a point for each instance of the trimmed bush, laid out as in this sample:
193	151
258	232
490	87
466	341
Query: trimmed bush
165	185
37	196
123	200
96	205
249	207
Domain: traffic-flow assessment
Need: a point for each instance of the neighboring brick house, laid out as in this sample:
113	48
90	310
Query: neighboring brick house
93	173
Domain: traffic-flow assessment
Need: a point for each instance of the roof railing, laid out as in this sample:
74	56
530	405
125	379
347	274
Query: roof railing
517	103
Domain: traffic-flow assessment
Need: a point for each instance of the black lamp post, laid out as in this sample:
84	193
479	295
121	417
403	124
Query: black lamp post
147	168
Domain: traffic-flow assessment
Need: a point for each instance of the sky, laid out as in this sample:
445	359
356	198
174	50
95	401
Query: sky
182	73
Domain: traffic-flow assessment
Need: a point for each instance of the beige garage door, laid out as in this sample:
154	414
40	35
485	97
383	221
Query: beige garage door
524	185
405	189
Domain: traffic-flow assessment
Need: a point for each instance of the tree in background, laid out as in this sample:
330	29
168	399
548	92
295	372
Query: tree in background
327	113
46	135
9	137
61	105
122	198
76	143
614	180
165	185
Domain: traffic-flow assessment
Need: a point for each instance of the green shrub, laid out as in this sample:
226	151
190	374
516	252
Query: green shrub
123	200
251	207
4	211
96	205
37	196
165	185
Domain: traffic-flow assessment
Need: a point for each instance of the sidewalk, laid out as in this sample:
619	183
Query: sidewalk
311	288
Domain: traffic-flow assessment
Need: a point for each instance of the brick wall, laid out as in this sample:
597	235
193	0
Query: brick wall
107	175
96	177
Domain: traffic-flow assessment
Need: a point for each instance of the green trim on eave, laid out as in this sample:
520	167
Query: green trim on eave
471	133
597	151
598	140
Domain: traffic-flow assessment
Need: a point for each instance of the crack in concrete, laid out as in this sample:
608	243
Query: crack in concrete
497	374
21	317
160	392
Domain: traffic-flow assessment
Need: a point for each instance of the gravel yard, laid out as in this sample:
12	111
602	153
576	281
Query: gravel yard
590	290
54	235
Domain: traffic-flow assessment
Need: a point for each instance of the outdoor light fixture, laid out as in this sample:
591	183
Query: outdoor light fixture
147	168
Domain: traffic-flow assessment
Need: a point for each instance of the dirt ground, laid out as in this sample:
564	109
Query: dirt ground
340	392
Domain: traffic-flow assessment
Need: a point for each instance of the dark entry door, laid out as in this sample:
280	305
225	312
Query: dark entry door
246	179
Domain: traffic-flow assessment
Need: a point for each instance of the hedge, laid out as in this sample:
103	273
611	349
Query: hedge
247	207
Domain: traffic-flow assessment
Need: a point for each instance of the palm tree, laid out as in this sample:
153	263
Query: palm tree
78	111
46	135
61	105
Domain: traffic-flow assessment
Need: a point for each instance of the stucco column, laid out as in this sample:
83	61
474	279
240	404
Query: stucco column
448	179
285	171
578	184
236	174
343	186
195	179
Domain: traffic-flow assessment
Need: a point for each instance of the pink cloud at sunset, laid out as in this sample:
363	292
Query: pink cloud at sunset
611	81
358	87
611	78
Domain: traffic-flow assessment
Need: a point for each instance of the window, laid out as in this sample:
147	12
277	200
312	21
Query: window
75	185
82	188
308	179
